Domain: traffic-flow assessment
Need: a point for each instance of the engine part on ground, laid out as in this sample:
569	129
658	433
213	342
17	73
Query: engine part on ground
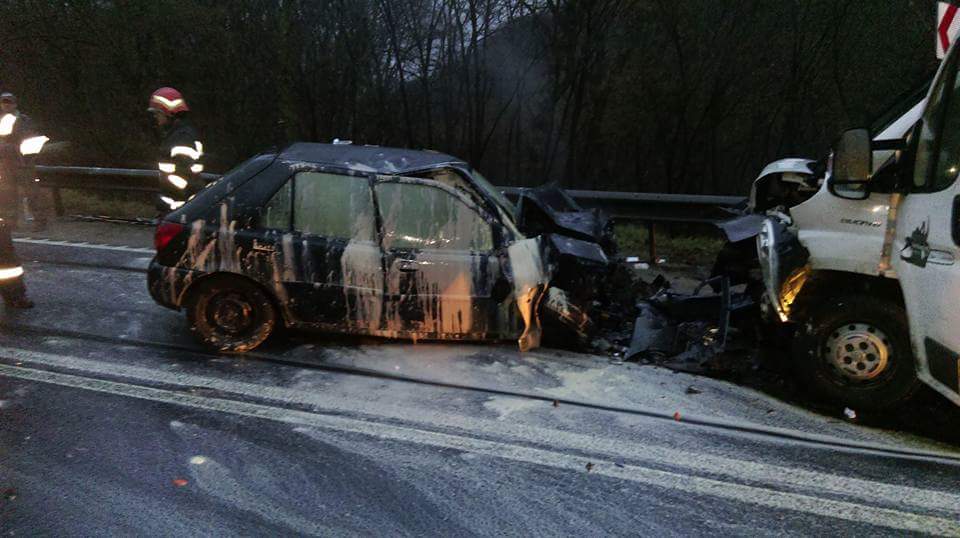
687	327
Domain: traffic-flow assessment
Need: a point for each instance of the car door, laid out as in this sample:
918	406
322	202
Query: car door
330	262
928	240
440	260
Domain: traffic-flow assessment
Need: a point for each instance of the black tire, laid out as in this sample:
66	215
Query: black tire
856	351
230	314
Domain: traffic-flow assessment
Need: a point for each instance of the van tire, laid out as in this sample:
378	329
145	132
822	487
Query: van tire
230	314
849	338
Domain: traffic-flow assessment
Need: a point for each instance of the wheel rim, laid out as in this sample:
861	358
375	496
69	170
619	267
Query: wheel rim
859	352
231	313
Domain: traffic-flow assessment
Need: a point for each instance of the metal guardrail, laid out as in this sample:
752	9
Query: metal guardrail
648	207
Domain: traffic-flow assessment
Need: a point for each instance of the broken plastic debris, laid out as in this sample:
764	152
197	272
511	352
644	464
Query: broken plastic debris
556	403
589	467
180	482
693	390
676	416
198	460
850	413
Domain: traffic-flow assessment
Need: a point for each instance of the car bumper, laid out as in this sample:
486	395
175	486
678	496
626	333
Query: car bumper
167	284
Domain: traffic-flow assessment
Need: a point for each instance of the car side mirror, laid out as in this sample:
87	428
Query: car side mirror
852	165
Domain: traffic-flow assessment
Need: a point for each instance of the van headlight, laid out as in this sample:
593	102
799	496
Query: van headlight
783	263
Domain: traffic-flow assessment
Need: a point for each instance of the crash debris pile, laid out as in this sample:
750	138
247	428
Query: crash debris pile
598	302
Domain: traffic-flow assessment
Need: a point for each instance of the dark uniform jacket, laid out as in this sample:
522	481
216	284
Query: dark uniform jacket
8	259
180	163
15	168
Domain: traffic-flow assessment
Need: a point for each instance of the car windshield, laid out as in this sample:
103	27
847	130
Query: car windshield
495	193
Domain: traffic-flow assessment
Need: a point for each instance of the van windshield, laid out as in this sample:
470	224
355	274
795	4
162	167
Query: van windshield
901	106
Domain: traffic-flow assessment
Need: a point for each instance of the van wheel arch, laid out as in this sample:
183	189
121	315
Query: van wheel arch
826	284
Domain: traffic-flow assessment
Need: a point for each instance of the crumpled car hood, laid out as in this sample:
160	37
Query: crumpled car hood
548	209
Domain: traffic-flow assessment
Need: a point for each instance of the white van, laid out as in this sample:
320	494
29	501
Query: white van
869	267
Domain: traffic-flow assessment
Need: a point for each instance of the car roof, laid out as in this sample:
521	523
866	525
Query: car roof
378	159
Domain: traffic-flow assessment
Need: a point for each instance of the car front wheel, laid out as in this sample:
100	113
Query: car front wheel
856	351
230	314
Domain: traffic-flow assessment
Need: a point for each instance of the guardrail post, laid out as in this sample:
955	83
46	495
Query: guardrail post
652	242
57	202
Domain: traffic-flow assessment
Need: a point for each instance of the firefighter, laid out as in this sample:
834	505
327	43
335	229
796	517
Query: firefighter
11	272
19	145
181	151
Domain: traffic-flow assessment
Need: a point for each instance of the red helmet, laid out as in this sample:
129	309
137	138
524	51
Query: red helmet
168	101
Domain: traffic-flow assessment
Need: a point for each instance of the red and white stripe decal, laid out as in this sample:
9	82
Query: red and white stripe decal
948	23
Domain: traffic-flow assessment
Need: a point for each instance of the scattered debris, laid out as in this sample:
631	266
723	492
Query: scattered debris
198	460
180	482
850	414
556	403
693	390
10	494
676	416
589	467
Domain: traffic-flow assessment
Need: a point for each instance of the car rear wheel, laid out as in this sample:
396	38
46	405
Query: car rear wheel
230	314
856	351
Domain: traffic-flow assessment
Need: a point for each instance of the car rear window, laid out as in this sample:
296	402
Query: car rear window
332	205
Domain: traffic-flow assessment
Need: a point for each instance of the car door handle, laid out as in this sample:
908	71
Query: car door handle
407	266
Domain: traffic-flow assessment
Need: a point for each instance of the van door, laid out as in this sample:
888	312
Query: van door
928	239
441	267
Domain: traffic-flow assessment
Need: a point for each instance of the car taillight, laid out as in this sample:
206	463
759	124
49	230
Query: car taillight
166	231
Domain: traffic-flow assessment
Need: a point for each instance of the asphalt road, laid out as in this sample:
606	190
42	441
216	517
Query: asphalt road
112	421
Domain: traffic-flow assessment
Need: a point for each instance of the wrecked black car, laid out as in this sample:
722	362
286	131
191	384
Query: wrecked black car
364	240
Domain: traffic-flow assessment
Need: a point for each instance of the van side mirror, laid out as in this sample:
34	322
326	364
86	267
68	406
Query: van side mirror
852	165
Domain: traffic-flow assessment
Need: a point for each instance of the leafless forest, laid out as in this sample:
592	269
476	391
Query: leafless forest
645	95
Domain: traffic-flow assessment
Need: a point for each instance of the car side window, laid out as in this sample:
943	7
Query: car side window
333	205
276	214
420	216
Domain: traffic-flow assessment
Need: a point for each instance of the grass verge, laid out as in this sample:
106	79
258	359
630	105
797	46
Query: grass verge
123	205
690	245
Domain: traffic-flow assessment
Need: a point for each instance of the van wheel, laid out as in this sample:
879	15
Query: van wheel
856	351
230	314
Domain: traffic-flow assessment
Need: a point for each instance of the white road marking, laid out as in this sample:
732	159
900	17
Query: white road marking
611	449
82	244
770	498
138	263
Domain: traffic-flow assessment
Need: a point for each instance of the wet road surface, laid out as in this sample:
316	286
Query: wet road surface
113	421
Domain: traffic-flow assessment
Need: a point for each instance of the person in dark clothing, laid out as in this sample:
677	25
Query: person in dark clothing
11	272
181	151
19	144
